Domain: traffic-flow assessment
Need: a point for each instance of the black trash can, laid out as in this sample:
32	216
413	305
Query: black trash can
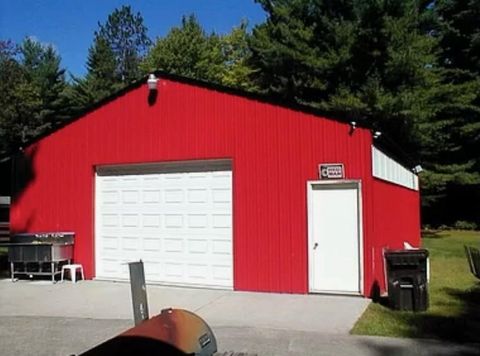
407	279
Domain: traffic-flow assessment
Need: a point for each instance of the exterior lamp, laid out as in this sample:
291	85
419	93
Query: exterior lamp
152	82
353	126
417	169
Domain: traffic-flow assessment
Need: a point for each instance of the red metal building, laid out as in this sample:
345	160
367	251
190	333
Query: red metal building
215	188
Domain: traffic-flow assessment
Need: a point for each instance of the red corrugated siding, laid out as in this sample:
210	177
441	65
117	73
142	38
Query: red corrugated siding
396	219
274	152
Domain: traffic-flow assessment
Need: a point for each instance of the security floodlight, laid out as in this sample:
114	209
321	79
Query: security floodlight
417	169
353	126
152	82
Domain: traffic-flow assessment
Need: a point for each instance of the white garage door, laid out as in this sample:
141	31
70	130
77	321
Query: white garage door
177	218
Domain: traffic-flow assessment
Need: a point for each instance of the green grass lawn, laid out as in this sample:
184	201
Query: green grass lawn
454	312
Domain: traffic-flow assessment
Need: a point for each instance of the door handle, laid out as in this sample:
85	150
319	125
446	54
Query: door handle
315	245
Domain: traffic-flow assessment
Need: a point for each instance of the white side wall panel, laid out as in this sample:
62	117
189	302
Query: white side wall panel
387	169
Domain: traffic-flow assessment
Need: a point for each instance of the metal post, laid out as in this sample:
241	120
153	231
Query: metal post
139	292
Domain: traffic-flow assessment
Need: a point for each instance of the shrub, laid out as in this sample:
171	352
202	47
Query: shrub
465	225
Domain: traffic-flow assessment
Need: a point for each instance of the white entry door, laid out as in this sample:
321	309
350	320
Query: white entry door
176	218
334	238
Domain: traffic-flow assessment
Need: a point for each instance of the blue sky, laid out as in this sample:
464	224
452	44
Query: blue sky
69	24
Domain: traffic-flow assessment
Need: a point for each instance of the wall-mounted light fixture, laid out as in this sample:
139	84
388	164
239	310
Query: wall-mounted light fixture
417	169
353	126
152	82
377	134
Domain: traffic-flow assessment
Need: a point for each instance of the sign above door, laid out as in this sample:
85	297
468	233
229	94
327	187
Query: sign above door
331	171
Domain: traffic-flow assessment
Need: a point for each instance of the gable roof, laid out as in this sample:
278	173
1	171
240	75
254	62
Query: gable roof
388	146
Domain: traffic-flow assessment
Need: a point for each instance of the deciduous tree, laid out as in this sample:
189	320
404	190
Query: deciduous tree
188	51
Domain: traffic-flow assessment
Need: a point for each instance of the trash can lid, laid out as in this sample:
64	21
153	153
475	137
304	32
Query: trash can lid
406	257
402	252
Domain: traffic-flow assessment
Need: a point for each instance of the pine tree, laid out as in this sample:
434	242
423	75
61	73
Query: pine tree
451	139
407	67
126	35
101	64
364	60
100	80
460	55
32	84
19	101
42	65
460	32
113	60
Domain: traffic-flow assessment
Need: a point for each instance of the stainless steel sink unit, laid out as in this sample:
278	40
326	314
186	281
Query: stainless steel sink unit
40	254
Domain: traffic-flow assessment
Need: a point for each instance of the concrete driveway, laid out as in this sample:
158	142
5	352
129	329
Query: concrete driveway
111	300
63	319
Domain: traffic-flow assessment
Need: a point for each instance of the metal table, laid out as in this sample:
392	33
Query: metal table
40	254
33	257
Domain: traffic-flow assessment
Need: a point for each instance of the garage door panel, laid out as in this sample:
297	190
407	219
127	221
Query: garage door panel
152	268
221	195
197	221
222	221
151	196
110	220
111	243
129	181
150	181
197	196
112	253
151	220
197	246
197	271
151	248
173	245
222	272
110	197
174	221
222	247
174	196
130	220
174	271
110	266
130	243
179	224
